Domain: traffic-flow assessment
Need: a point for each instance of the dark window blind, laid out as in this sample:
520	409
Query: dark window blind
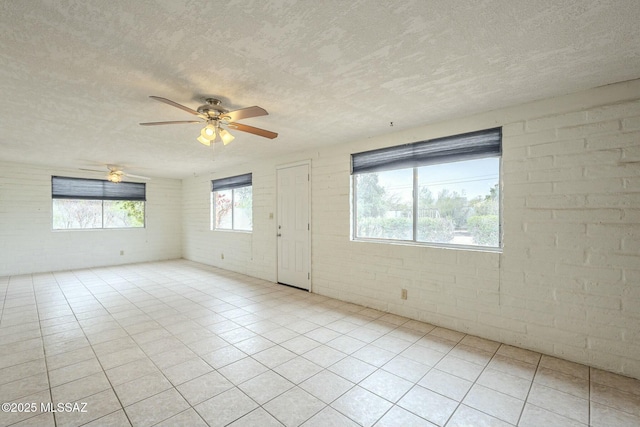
231	182
468	146
96	189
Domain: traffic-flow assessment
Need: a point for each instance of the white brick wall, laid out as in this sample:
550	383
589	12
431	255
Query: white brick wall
28	244
568	280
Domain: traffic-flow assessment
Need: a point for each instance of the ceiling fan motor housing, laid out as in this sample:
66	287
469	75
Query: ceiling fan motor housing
212	109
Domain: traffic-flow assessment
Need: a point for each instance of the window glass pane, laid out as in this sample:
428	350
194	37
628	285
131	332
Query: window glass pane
242	208
73	213
222	201
123	214
384	204
458	203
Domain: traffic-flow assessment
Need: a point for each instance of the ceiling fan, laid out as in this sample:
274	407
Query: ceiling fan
216	119
115	174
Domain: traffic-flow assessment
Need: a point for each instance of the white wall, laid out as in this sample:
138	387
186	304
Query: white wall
29	245
568	280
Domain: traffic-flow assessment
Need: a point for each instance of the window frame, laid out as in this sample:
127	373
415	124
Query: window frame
415	164
73	188
232	183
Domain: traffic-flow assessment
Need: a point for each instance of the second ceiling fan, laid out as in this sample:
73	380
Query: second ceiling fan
216	119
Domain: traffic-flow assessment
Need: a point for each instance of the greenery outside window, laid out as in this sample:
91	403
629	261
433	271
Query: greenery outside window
93	204
232	203
443	192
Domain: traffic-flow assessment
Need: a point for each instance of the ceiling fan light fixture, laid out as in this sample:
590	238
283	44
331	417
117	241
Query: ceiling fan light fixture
114	177
226	136
204	141
209	132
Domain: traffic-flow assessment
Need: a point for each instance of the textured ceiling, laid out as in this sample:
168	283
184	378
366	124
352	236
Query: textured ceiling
75	76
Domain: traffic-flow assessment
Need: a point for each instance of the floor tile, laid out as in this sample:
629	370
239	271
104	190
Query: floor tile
188	418
362	406
298	369
446	384
606	416
186	371
141	388
534	416
329	417
131	371
326	386
559	402
566	383
98	405
224	356
324	356
83	387
114	419
257	417
626	384
406	368
564	366
204	387
460	368
265	387
428	405
386	385
156	408
354	370
274	356
505	383
374	355
397	416
494	403
615	398
226	407
465	416
294	407
242	370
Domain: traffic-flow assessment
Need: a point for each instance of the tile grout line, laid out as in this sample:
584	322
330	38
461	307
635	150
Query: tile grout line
526	399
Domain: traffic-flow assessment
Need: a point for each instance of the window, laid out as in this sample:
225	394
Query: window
92	203
232	202
444	191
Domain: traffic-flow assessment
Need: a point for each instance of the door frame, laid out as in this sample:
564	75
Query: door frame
275	226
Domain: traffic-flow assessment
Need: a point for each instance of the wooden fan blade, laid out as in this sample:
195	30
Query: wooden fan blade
245	113
170	123
255	131
175	104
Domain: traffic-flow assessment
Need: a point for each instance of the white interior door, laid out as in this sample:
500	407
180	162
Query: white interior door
294	235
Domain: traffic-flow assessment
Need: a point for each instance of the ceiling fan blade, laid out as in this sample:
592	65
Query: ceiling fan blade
91	170
175	104
137	176
245	113
170	123
255	131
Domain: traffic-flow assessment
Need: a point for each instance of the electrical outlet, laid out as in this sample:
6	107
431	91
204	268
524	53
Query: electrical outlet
121	252
403	295
221	255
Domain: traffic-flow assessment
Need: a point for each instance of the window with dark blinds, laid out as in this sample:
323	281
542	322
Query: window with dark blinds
468	146
96	189
231	182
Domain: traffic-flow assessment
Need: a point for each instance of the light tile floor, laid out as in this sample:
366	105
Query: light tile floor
179	343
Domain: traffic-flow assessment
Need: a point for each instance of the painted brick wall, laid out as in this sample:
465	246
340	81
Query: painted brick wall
28	244
568	280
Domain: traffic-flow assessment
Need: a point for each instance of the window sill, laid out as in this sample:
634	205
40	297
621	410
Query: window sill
430	245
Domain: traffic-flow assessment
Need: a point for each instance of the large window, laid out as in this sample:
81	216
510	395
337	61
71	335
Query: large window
232	202
444	191
92	203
